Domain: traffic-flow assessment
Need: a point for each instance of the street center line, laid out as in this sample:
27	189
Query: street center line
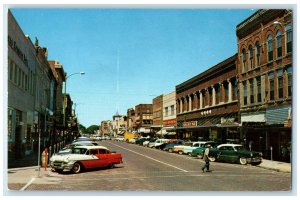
149	157
29	183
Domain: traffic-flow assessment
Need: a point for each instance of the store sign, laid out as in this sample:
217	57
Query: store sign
191	123
228	121
171	122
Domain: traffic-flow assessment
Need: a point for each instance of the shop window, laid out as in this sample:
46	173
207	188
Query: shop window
226	92
279	43
270	48
218	94
235	89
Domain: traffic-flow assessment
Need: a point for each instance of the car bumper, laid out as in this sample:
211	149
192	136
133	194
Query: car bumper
61	166
254	160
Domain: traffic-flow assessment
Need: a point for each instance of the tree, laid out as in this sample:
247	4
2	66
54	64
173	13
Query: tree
82	129
92	129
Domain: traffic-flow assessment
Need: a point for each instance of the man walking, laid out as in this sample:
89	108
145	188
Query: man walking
206	159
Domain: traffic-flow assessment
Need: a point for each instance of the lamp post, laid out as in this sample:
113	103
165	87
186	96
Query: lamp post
64	100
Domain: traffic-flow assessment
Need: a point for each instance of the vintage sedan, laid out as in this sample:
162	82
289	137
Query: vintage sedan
235	153
198	152
188	149
85	157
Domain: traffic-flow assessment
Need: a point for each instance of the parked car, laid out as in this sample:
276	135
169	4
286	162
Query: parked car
85	157
68	148
119	138
140	140
148	141
235	153
169	147
157	143
188	149
132	140
179	148
198	152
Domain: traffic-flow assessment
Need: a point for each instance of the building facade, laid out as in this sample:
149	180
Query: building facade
130	120
143	119
169	114
31	87
119	124
207	104
265	80
157	105
106	127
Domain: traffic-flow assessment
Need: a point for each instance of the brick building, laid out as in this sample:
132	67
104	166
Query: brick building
265	80
207	104
169	114
143	119
157	103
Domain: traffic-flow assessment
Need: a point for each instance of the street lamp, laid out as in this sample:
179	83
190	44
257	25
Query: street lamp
64	101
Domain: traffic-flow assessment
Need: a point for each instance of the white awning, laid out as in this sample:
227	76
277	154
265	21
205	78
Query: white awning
161	132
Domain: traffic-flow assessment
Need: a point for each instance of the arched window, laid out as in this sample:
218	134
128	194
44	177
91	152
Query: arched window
244	61
279	43
270	48
251	56
257	45
289	38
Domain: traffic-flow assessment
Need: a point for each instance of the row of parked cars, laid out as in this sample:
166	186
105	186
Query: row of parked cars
82	154
234	153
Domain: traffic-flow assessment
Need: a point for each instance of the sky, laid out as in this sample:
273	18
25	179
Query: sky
130	56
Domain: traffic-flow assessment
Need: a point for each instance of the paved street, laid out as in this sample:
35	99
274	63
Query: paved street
146	169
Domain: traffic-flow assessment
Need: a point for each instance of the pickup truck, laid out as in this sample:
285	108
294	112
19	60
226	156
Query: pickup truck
85	157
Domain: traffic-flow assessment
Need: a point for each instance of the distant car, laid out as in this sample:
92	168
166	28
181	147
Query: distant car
82	139
85	157
119	138
157	143
198	152
169	147
140	140
188	149
235	153
132	140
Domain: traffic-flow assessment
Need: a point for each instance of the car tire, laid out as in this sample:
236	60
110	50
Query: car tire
180	152
243	161
190	154
77	168
112	165
171	150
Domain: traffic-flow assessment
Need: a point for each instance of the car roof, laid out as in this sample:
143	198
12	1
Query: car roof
230	145
91	147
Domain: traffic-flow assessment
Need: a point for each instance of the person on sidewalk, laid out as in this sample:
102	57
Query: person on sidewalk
206	159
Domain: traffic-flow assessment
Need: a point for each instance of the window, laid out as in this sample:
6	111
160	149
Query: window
210	96
204	99
289	38
251	91
244	61
19	76
16	74
271	84
235	90
172	110
257	45
166	111
289	76
10	123
187	104
251	56
280	83
11	69
279	43
218	96
270	48
226	91
245	93
258	83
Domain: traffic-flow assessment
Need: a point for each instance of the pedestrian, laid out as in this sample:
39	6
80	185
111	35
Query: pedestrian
206	159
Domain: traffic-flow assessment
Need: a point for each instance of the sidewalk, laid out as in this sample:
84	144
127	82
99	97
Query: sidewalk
276	165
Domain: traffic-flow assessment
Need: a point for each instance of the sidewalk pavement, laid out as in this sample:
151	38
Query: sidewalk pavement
276	165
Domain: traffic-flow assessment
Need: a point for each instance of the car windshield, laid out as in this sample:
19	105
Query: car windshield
79	151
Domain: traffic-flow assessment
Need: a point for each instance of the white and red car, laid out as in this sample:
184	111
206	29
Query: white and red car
85	157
